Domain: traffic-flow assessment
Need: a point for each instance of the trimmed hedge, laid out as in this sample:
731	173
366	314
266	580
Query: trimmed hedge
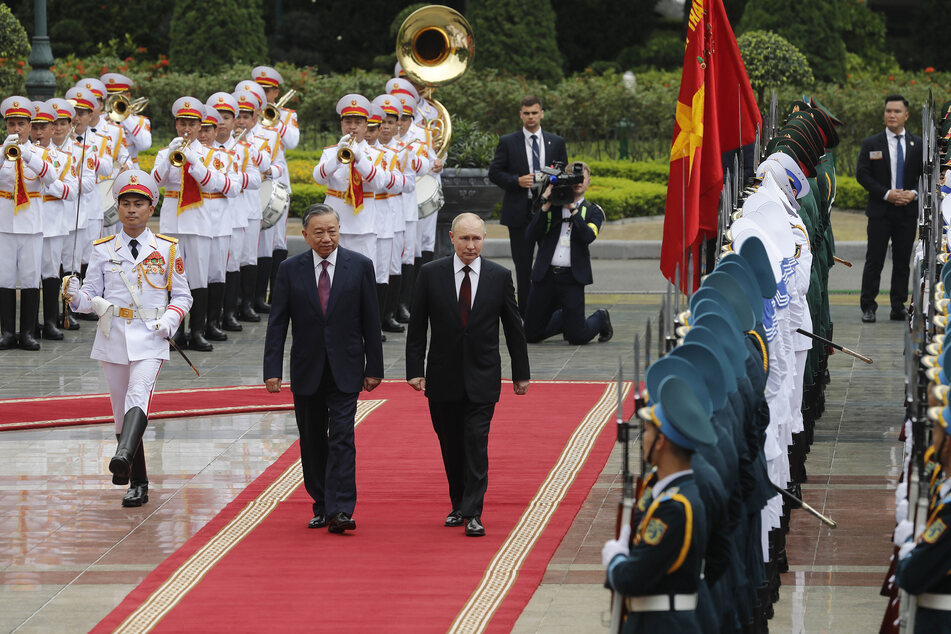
622	198
849	194
641	171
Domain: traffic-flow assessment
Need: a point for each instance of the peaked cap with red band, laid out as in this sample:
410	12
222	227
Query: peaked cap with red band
17	106
267	76
188	108
353	105
135	182
116	83
82	98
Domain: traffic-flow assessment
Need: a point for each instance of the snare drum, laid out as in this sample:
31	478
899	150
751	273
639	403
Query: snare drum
274	196
110	213
429	195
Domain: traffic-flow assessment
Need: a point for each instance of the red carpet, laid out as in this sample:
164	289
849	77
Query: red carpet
257	567
89	409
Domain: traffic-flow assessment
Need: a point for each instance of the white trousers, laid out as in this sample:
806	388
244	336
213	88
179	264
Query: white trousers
234	249
196	251
130	385
362	243
427	233
249	248
93	232
52	256
381	261
411	248
218	258
280	233
396	253
69	262
21	257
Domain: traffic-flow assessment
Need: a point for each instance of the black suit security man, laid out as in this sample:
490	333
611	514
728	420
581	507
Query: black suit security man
328	295
563	268
518	156
889	167
463	298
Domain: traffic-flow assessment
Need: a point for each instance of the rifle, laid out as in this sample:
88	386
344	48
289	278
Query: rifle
626	505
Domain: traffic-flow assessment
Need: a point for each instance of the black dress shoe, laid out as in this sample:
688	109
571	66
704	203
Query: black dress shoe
454	519
318	521
607	331
402	314
474	527
137	495
868	317
391	325
898	314
341	522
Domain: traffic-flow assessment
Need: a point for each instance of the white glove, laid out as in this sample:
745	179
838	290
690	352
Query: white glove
72	289
344	141
901	511
161	328
901	493
615	547
192	155
903	532
11	139
905	550
176	142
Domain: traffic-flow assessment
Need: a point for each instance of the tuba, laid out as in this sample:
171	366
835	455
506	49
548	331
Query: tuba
435	47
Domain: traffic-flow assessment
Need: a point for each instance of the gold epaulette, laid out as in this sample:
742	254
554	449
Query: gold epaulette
103	240
167	238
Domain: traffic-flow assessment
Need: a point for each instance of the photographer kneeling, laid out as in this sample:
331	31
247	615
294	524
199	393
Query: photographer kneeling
564	225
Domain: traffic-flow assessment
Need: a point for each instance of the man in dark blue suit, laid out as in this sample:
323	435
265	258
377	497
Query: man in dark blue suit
518	156
329	296
563	268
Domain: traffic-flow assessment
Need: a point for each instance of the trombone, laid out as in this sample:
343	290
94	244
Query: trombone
118	107
271	115
13	152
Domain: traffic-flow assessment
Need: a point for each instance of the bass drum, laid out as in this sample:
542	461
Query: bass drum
429	195
110	213
274	197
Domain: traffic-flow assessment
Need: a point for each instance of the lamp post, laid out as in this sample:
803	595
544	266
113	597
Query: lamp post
40	83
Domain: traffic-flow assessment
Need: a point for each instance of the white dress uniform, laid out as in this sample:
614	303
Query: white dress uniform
250	102
427	226
56	212
267	141
414	160
219	205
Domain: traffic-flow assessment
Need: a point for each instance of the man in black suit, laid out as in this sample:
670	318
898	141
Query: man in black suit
889	167
563	267
329	296
463	298
518	156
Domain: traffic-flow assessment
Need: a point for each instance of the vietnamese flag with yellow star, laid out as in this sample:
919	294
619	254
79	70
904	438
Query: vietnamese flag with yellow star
716	113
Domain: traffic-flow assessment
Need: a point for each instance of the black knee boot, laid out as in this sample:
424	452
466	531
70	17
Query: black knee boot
138	493
249	278
277	256
133	426
216	298
8	318
29	316
260	286
197	318
407	279
390	323
230	304
51	309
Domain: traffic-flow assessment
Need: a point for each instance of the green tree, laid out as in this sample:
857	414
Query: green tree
512	38
772	62
208	35
14	47
863	32
812	26
593	30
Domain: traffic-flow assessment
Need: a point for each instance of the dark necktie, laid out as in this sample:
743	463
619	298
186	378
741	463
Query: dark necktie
465	297
134	248
536	161
323	286
900	166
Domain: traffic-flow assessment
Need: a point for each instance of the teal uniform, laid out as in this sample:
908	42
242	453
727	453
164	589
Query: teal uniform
927	569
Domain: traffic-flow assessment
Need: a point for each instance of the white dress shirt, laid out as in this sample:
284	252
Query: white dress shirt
528	150
661	484
332	258
562	254
892	139
476	267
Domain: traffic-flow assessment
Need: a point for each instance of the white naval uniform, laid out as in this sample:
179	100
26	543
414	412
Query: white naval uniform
59	210
193	227
128	349
220	209
87	177
269	141
356	227
21	232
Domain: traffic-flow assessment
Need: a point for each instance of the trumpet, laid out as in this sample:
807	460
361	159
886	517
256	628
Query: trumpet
271	115
13	152
177	156
345	154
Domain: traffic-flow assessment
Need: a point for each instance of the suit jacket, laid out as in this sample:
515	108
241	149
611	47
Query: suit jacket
510	162
545	228
875	175
348	337
464	361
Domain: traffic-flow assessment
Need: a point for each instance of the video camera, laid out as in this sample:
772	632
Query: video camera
562	183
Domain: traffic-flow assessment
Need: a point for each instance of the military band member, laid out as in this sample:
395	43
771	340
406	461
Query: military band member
136	284
103	125
59	211
346	181
221	211
21	224
136	129
271	81
184	214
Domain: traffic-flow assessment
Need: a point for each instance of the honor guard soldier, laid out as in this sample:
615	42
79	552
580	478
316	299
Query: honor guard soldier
24	170
249	106
185	168
136	284
268	140
659	571
346	170
136	129
271	81
59	209
105	126
221	208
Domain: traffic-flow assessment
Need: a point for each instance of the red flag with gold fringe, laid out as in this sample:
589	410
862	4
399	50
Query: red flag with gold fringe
716	113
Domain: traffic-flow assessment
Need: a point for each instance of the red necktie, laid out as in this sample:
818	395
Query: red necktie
323	287
465	297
